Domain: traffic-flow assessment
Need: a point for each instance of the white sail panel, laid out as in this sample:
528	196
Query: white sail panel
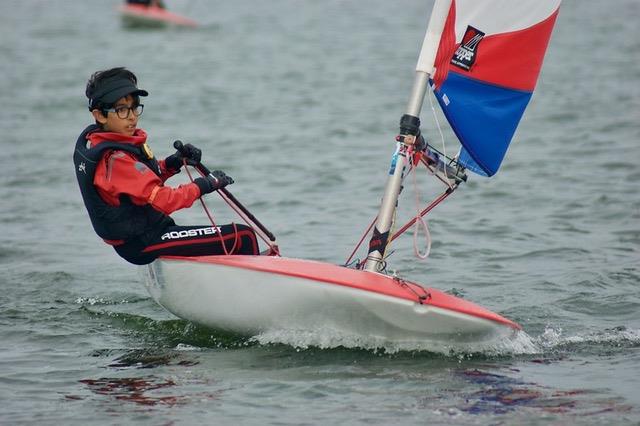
501	16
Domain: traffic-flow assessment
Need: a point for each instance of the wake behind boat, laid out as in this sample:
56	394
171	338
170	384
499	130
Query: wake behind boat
472	60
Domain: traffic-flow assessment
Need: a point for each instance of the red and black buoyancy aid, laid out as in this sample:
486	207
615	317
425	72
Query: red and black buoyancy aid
115	223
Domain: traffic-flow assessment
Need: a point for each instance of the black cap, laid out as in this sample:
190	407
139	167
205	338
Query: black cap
112	89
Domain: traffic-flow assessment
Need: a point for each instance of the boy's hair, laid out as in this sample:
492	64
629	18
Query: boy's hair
96	80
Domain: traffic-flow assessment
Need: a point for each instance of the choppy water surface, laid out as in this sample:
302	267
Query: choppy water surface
299	102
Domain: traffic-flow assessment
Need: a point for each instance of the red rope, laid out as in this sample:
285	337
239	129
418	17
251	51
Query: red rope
210	216
274	250
361	240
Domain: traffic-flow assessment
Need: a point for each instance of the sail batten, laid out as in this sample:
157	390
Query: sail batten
489	56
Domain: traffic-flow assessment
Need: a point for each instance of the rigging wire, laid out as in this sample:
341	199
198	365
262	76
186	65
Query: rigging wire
373	222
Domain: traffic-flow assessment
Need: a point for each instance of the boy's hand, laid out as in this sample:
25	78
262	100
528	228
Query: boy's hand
187	152
216	180
191	154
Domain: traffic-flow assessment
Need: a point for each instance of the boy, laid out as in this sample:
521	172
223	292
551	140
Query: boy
122	184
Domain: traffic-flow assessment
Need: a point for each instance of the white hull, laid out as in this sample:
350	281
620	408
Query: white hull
249	300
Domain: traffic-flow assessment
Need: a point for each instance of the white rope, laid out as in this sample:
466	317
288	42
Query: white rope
420	223
431	95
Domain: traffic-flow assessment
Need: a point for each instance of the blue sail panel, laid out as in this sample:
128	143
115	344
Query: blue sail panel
483	116
468	163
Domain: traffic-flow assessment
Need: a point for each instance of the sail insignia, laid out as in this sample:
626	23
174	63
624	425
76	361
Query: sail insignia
465	55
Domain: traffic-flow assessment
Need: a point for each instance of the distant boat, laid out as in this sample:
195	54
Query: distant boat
137	15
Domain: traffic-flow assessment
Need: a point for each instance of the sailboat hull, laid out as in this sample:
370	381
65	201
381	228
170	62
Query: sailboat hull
250	295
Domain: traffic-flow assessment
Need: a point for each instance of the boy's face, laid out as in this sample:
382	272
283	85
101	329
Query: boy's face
112	121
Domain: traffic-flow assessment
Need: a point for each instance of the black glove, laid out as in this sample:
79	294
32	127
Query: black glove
188	152
216	180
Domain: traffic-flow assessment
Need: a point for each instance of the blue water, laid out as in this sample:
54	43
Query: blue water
299	101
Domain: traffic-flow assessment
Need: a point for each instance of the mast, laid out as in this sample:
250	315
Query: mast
409	128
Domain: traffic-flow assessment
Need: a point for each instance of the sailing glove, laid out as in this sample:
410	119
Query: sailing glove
216	180
188	152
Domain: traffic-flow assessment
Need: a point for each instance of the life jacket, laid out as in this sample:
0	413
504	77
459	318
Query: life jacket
115	224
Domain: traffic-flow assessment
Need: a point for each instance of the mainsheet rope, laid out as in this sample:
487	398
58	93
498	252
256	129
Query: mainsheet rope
210	216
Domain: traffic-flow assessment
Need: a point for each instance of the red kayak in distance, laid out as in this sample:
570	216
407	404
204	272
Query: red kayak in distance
152	16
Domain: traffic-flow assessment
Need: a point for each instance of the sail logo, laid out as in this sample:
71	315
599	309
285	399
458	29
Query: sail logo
465	55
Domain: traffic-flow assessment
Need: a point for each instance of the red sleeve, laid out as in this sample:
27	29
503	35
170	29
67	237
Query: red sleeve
166	172
118	173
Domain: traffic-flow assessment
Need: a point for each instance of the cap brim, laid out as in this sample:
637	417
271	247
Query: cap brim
113	89
116	94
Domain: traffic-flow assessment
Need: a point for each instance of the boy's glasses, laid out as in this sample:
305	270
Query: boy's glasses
124	111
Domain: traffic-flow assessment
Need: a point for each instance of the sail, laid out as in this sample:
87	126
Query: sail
488	58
